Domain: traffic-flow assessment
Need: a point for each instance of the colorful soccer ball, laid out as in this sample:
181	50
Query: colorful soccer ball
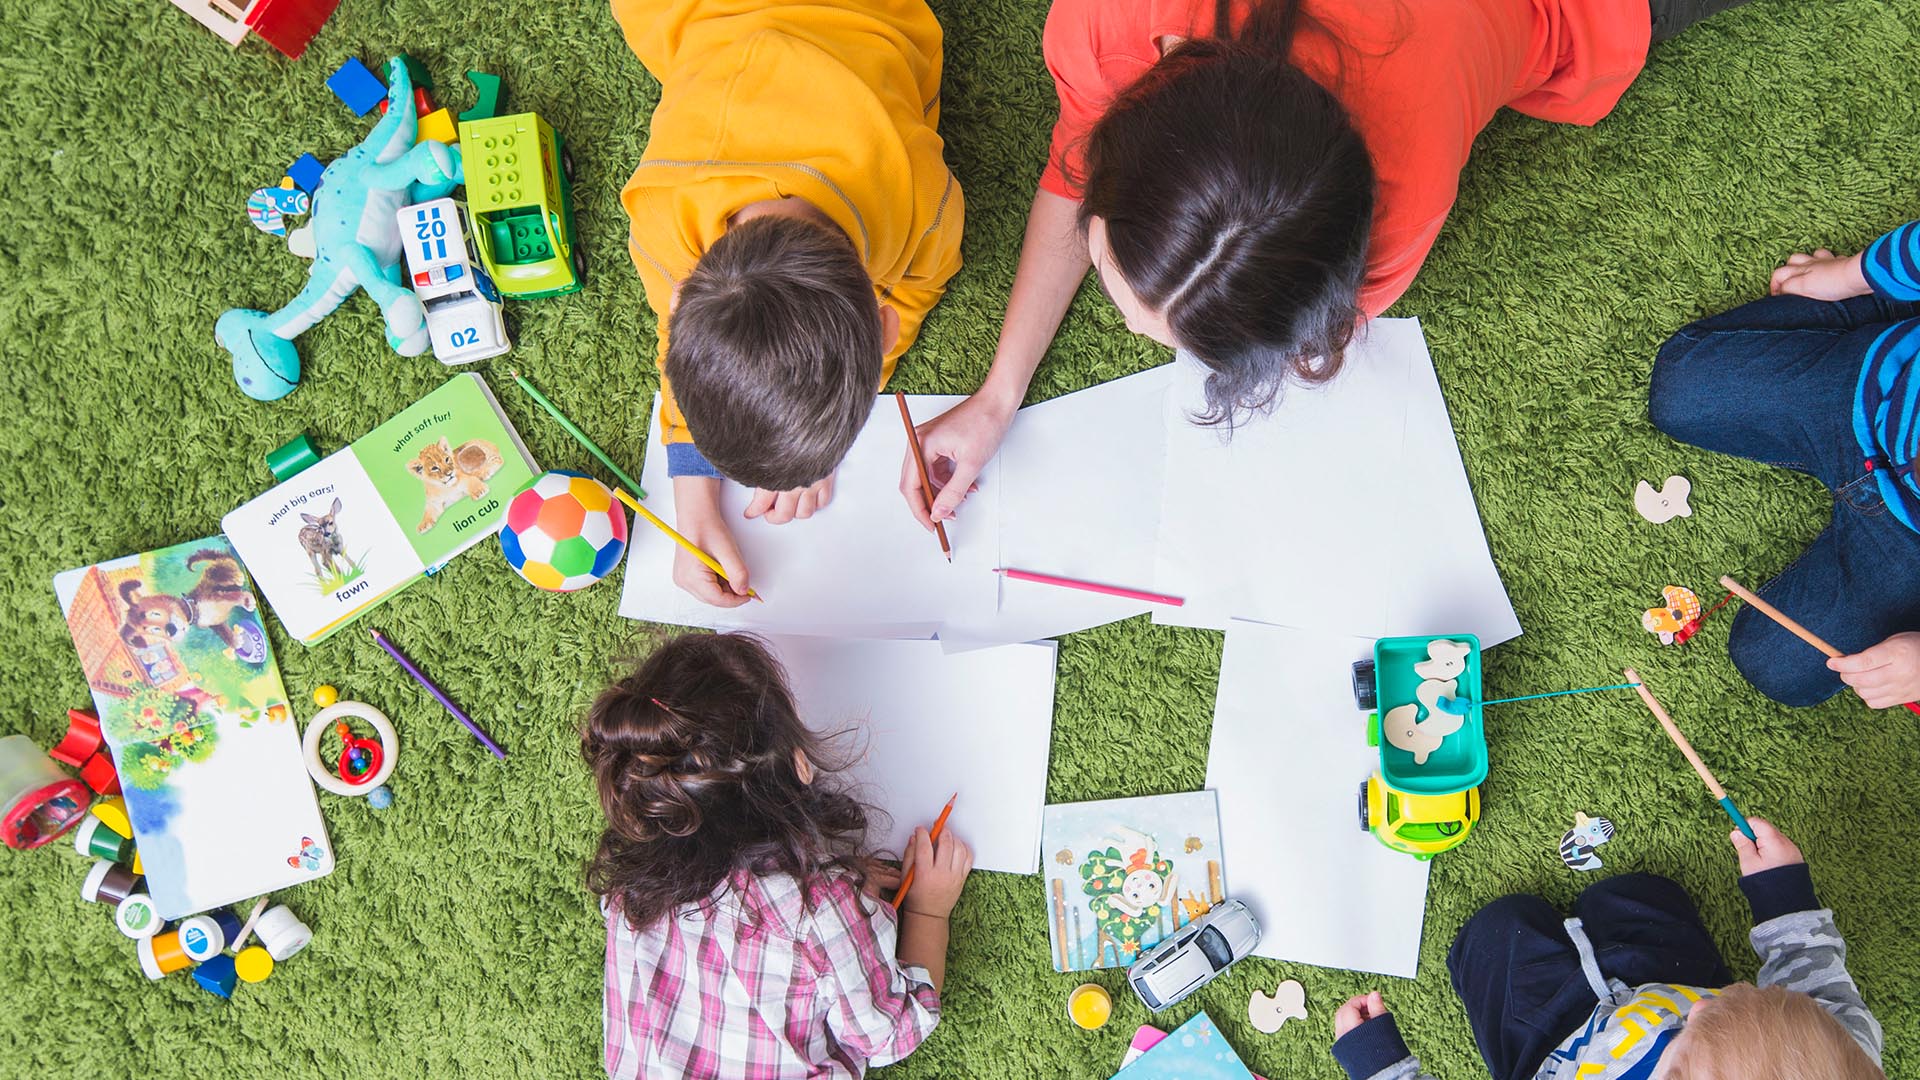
564	531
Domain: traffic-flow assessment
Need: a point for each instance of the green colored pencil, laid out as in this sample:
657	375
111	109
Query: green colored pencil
574	430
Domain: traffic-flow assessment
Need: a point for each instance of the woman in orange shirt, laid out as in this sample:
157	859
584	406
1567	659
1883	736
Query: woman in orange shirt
1252	178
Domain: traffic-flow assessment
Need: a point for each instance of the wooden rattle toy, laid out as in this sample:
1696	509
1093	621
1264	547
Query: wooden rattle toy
364	764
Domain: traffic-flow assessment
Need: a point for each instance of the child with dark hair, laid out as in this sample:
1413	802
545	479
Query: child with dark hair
1250	178
743	936
1632	987
1822	377
793	222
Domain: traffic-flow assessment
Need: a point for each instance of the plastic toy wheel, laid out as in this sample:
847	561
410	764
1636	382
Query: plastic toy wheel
1364	696
566	163
1365	824
580	265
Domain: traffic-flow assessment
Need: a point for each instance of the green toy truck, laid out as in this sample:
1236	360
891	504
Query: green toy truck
520	205
1424	693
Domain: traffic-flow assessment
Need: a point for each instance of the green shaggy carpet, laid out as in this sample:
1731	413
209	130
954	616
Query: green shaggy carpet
457	940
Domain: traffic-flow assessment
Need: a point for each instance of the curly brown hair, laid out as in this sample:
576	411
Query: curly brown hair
696	756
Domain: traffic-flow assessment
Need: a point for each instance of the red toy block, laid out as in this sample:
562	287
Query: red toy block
288	25
82	740
99	775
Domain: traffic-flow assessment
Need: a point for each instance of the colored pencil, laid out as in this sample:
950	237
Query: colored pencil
932	834
574	430
1687	751
1093	587
693	549
438	694
926	481
1059	919
1790	625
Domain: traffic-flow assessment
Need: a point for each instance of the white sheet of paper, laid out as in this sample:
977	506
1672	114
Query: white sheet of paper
928	724
1293	519
1288	756
1079	498
861	566
1444	580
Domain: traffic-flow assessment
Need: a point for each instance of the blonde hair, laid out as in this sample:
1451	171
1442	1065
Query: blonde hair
1765	1033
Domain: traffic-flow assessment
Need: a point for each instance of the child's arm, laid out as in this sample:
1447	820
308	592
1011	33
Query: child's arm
698	517
1367	1042
940	870
1800	947
875	1008
1886	675
1889	268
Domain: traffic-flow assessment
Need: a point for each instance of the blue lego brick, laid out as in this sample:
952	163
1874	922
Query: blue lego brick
217	975
360	88
305	173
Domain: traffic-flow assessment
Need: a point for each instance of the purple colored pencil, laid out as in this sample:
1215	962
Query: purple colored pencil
438	694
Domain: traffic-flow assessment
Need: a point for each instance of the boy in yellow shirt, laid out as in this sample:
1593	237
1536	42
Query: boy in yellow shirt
793	222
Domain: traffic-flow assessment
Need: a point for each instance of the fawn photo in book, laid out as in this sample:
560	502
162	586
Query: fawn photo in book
336	539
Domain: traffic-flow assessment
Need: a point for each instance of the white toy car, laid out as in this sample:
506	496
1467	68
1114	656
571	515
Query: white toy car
463	308
1196	953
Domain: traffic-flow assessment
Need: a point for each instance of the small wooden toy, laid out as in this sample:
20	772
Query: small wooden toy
38	802
217	975
82	740
325	694
364	764
108	883
1576	847
489	96
113	814
357	87
291	458
136	916
99	775
161	955
1089	1006
1269	1014
253	964
281	932
1686	750
1669	502
1678	620
95	841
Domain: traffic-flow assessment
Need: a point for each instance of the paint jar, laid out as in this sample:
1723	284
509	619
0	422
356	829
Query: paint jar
96	841
282	932
38	802
161	955
137	917
1089	1005
108	883
201	938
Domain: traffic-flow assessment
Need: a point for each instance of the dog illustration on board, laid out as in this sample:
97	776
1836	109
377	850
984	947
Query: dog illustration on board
320	538
158	618
449	475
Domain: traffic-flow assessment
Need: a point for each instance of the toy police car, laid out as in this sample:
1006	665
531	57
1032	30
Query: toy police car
463	309
1195	954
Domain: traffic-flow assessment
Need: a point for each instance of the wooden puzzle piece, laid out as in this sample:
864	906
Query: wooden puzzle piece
1576	847
1402	727
1445	660
1269	1014
1674	623
1669	502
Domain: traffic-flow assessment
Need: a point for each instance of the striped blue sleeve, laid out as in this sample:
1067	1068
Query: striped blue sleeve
1892	263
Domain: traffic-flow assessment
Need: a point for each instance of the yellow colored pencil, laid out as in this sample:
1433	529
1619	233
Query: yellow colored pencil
693	549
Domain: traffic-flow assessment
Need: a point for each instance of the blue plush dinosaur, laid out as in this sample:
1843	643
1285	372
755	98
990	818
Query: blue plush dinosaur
357	242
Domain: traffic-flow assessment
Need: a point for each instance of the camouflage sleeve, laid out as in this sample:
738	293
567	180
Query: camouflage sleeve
1804	951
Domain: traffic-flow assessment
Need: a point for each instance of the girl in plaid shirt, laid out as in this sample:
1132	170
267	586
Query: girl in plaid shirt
743	937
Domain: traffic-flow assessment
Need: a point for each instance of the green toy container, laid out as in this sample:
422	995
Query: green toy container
1460	762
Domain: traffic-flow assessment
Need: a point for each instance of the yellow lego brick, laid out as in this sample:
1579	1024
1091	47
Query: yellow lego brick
438	124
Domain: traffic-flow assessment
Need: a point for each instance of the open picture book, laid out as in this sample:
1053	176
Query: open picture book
336	539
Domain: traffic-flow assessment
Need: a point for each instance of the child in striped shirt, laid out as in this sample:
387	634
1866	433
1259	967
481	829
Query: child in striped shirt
743	937
1633	988
1822	377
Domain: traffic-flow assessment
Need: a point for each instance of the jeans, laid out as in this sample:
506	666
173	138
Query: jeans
1519	976
1775	381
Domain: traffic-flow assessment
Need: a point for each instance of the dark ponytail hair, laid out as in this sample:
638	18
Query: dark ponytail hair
693	755
1238	197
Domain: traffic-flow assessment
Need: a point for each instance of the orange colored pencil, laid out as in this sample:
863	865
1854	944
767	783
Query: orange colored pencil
926	481
932	834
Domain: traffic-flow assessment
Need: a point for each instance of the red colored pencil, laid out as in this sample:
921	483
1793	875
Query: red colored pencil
932	834
1089	586
926	481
